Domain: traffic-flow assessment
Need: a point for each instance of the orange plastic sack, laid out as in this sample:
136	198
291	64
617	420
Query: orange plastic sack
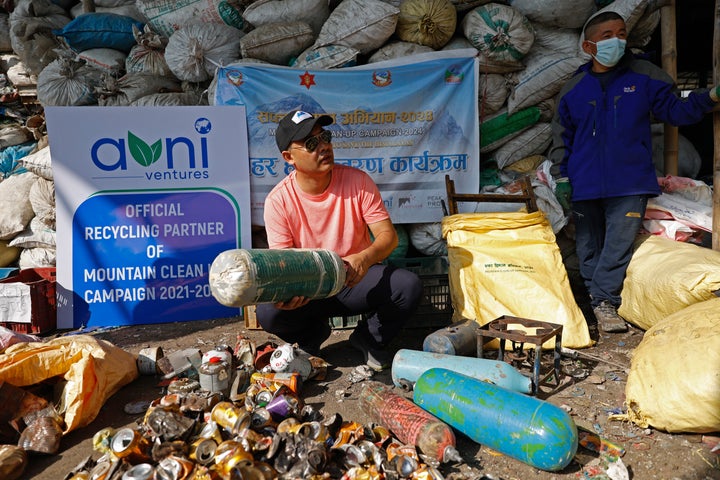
93	369
508	263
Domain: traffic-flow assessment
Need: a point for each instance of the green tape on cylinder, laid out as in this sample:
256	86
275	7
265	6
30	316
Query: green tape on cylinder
243	277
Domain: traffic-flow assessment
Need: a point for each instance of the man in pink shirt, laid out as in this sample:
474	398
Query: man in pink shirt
323	205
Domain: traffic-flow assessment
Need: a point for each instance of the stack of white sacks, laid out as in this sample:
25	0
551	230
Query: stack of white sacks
162	52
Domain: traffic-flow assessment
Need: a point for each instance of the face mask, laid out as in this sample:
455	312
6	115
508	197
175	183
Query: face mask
609	51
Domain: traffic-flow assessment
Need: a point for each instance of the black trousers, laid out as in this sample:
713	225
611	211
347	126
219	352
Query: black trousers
389	294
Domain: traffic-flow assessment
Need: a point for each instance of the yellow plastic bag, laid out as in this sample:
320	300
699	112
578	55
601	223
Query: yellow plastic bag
664	277
674	380
508	263
94	370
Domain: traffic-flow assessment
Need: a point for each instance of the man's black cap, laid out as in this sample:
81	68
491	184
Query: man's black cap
297	125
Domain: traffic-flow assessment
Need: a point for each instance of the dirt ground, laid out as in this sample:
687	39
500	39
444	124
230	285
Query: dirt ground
591	391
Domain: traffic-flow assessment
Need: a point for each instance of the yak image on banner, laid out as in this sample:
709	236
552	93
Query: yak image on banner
147	197
406	122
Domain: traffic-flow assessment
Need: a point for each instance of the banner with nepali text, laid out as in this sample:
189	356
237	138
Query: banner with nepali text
406	122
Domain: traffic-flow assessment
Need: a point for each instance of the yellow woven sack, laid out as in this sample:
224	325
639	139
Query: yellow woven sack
674	380
426	22
93	369
664	277
508	263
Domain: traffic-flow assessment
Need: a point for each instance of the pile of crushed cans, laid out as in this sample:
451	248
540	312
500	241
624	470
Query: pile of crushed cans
239	414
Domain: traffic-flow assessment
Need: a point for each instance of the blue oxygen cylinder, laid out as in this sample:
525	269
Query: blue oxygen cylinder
460	338
408	365
520	426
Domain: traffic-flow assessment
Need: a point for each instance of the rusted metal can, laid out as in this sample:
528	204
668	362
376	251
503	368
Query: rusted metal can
147	360
215	376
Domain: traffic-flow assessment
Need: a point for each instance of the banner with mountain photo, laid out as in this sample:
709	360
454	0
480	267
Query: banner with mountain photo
407	122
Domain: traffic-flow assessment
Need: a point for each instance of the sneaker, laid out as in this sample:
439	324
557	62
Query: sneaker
377	359
608	318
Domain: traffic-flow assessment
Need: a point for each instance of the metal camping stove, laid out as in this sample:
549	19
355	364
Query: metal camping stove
506	328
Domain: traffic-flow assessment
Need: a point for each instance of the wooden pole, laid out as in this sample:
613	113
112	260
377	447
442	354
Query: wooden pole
716	134
668	36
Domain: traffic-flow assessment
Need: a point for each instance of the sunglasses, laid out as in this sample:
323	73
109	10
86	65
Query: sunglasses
311	143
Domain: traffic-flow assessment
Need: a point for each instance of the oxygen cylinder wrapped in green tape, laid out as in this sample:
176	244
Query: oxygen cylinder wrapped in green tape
243	277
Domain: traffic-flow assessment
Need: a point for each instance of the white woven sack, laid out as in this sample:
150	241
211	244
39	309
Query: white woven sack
112	3
277	43
42	201
465	5
148	56
107	60
14	134
393	50
131	86
500	32
556	13
31	25
329	56
362	24
167	16
631	11
533	141
544	75
493	92
170	99
485	64
641	35
5	45
427	238
15	208
312	12
195	51
38	163
66	82
557	40
38	257
128	10
37	234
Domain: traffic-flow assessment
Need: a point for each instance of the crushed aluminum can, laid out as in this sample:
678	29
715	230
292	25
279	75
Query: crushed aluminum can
129	445
173	468
202	450
229	417
229	455
141	471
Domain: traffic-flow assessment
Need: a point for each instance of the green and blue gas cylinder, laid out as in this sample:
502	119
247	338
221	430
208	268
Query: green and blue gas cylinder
523	427
241	277
408	365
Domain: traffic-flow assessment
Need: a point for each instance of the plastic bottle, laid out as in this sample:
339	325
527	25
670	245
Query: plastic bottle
408	365
410	423
242	277
520	426
460	338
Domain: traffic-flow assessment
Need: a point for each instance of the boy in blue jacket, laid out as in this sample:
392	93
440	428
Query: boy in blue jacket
602	154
